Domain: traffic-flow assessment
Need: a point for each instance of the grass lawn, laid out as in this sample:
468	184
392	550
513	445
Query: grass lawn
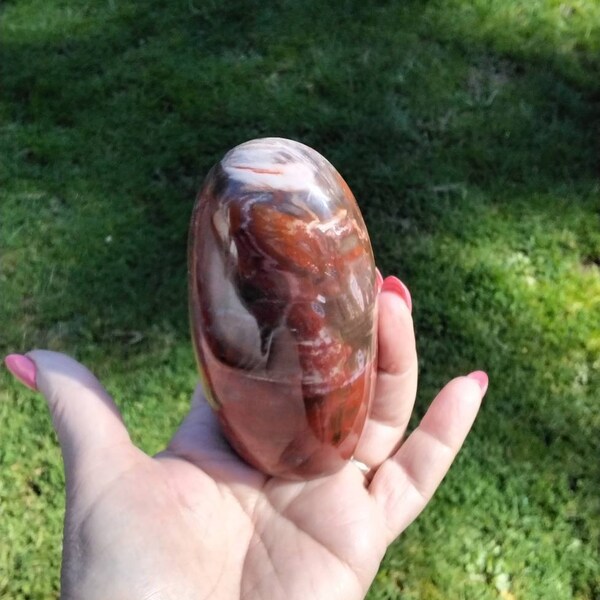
469	132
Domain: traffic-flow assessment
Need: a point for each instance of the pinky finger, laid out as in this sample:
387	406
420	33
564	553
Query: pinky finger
405	483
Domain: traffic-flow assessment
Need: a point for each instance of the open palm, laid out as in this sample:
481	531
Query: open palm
197	522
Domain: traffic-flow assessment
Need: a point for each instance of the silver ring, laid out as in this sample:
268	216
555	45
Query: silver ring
360	466
366	471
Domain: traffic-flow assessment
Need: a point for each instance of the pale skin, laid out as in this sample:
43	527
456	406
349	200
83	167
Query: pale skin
196	522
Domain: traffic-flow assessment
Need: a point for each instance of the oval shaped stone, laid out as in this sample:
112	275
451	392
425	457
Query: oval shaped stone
283	303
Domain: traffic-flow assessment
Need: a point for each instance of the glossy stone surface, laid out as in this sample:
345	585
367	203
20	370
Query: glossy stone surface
283	299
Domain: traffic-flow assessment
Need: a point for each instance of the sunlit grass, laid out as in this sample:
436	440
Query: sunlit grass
469	133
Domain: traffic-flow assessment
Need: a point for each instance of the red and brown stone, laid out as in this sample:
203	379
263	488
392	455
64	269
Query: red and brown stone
283	307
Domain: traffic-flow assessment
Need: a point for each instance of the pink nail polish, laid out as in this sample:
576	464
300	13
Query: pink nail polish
481	378
23	368
393	284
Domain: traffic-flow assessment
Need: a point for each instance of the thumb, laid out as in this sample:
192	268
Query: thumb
87	422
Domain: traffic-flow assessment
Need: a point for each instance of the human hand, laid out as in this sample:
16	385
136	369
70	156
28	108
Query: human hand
195	521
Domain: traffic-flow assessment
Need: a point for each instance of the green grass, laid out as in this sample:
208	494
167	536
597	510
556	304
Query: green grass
468	131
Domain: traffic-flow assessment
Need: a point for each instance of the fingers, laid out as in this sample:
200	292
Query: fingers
86	420
396	377
403	485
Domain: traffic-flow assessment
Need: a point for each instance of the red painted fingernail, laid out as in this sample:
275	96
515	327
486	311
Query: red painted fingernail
393	284
23	368
379	278
481	378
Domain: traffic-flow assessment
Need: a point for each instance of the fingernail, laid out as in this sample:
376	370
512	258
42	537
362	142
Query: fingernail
393	284
481	378
23	368
379	278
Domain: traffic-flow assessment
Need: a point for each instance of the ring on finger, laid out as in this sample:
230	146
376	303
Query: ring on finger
364	469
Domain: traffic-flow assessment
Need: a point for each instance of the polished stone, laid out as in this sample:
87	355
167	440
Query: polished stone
283	298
